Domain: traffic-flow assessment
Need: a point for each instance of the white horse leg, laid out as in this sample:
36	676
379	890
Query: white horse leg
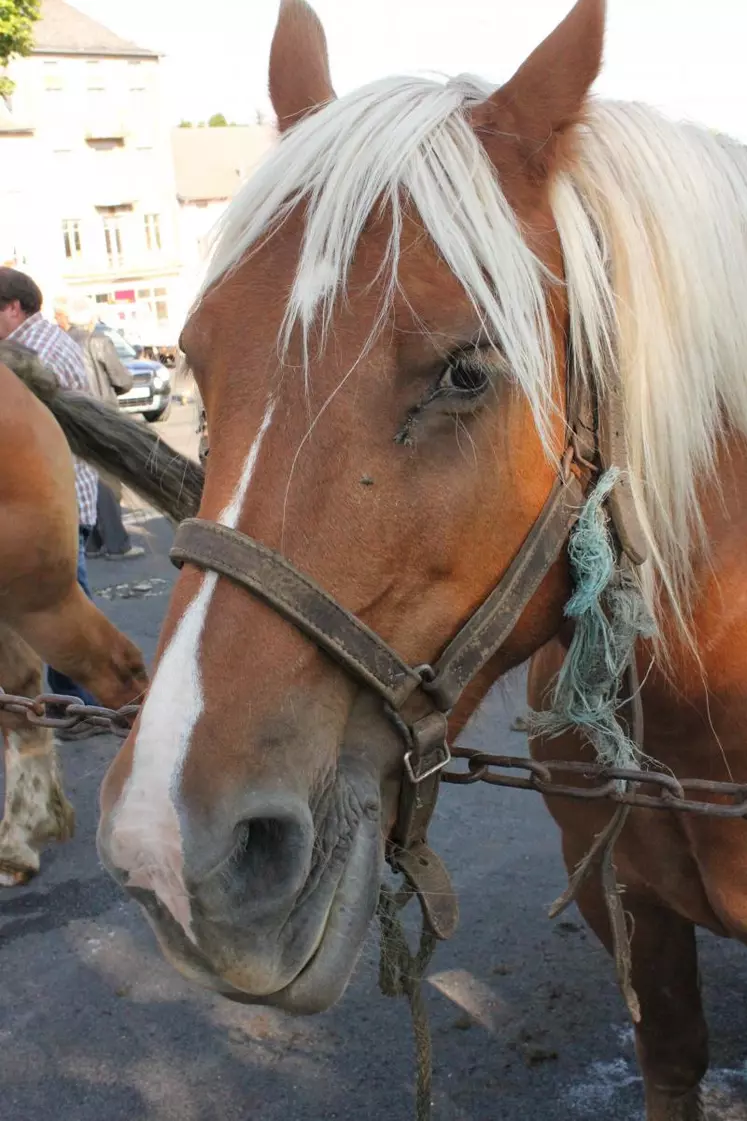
36	809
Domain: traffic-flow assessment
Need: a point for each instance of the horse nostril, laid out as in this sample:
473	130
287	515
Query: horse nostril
270	858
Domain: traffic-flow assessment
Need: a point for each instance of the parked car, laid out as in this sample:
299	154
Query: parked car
151	391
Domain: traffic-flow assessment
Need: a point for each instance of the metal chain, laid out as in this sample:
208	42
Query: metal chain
595	782
65	713
601	783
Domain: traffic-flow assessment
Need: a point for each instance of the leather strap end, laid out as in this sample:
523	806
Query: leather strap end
426	873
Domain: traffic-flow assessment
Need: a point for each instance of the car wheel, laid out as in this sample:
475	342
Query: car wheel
158	415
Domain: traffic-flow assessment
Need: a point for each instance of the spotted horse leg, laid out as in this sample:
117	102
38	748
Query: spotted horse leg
36	809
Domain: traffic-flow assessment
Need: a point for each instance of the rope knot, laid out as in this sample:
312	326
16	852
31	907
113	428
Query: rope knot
610	615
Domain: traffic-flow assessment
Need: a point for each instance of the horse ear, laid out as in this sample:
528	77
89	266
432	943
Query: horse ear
547	95
299	67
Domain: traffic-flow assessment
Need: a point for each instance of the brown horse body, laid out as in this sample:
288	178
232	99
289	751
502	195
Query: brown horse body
400	465
46	617
678	870
44	614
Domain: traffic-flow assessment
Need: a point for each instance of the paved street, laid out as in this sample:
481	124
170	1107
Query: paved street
527	1023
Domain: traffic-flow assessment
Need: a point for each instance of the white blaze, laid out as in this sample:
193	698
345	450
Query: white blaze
146	839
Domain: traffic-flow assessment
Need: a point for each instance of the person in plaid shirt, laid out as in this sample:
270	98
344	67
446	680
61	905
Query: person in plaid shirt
21	321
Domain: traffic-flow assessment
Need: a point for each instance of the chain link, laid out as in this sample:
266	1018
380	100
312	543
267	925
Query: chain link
600	783
595	782
65	713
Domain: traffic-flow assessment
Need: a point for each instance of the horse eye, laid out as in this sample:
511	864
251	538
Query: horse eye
464	375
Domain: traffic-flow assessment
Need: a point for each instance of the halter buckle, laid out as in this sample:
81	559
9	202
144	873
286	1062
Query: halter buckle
416	777
430	751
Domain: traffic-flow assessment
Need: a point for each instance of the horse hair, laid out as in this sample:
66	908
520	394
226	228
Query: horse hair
110	441
650	216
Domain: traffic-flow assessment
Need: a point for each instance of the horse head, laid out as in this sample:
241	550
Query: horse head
381	346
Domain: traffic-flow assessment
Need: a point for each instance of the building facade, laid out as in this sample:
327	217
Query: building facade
88	199
210	164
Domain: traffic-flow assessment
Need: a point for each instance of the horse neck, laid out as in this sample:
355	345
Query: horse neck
695	694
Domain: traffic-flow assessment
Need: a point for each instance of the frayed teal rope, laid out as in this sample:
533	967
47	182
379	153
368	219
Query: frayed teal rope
610	616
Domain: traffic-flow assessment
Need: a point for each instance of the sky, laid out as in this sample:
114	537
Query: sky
687	57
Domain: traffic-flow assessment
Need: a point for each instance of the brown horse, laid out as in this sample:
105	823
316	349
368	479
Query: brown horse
44	614
450	258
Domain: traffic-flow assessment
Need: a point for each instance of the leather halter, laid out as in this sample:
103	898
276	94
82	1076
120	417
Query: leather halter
420	698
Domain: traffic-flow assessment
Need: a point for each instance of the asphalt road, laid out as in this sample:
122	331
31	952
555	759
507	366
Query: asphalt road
527	1022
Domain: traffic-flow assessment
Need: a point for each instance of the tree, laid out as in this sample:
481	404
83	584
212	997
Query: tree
17	19
217	120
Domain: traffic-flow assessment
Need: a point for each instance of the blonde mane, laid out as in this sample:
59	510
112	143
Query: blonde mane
653	222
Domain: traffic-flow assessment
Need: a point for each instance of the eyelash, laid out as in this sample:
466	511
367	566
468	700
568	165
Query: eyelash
465	375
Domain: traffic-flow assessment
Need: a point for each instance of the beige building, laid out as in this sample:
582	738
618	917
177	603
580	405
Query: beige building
210	164
87	194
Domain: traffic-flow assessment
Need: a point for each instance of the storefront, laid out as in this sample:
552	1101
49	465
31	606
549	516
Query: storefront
145	314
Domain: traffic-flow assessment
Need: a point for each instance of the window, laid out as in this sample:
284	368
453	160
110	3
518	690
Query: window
162	307
113	239
71	238
105	144
136	77
95	79
156	301
142	116
52	78
152	232
115	221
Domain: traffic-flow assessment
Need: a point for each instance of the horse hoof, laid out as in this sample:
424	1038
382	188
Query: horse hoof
15	875
661	1106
